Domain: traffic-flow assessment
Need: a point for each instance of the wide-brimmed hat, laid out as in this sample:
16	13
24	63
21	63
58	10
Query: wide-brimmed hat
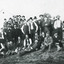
41	15
57	16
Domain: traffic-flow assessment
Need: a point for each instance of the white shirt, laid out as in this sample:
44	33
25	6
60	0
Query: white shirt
27	43
2	35
2	46
57	24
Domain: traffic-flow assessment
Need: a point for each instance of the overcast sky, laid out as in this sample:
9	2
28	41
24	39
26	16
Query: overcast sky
30	8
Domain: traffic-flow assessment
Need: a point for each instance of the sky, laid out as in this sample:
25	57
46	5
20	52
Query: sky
30	8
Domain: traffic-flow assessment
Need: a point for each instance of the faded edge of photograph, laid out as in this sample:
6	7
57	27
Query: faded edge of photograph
31	32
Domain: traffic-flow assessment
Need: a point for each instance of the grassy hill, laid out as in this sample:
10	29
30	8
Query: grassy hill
36	57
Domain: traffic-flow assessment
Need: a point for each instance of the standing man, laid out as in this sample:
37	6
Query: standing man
46	25
57	26
15	33
40	23
23	18
25	29
5	23
32	28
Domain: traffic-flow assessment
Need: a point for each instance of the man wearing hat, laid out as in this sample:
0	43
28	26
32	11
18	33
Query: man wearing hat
48	41
22	21
40	24
23	18
56	42
57	26
32	27
15	33
46	25
5	22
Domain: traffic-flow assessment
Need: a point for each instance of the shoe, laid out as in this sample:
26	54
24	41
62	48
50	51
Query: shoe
23	48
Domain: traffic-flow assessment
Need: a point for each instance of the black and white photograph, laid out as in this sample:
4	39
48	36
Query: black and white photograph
31	31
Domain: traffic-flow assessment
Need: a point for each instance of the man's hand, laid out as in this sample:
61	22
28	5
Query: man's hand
46	44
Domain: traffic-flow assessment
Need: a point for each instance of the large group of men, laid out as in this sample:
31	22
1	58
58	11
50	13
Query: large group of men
19	33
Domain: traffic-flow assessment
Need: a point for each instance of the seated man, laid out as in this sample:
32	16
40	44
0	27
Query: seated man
42	39
9	48
19	45
57	42
48	41
35	44
27	42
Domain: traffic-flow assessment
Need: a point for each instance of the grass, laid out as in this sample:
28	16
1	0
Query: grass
36	57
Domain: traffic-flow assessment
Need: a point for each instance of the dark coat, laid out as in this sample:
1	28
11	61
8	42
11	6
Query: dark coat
26	29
